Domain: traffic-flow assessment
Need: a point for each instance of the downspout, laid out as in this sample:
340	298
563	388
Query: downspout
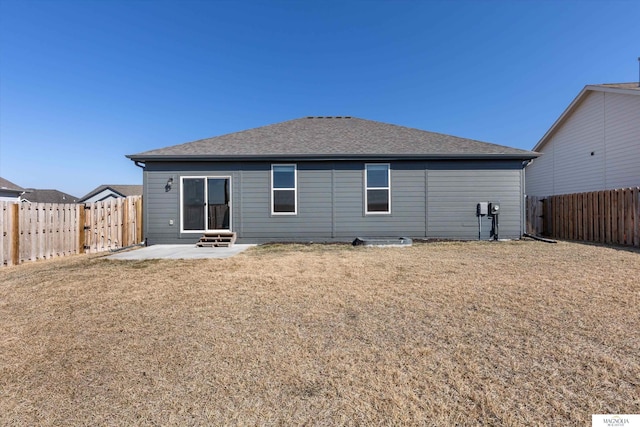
136	245
142	166
524	196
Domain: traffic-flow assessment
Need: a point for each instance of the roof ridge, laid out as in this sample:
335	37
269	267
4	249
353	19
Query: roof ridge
331	137
329	117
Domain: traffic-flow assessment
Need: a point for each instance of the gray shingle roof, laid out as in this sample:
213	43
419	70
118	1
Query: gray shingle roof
49	196
632	85
332	137
5	184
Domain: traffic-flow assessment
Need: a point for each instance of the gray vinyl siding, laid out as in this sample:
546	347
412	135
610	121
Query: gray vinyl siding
576	170
622	139
407	202
162	207
455	189
313	219
434	199
605	124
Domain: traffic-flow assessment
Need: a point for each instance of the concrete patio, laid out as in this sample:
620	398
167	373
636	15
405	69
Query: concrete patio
179	252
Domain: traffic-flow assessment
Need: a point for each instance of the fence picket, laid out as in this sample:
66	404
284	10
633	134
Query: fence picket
15	234
588	206
603	216
630	210
3	230
621	212
636	217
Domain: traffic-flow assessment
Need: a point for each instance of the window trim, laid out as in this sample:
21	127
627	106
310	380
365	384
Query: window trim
367	188
206	197
294	188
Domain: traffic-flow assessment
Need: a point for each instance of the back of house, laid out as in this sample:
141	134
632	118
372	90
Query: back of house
331	179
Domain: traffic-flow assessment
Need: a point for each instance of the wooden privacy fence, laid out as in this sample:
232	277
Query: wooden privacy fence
34	231
611	216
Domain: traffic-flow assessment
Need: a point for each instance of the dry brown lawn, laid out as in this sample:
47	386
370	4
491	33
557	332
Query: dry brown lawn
509	333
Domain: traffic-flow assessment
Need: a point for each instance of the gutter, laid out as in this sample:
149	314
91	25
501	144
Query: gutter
323	157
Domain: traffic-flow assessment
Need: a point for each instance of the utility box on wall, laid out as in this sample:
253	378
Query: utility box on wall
494	208
482	208
491	210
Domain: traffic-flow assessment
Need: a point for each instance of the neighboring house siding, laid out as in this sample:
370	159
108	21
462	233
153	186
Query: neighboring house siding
9	198
103	195
575	169
622	139
428	199
539	173
607	124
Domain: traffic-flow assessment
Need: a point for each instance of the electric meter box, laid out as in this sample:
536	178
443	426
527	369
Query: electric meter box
494	208
482	208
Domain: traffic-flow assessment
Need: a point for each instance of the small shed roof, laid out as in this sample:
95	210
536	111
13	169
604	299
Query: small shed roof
339	137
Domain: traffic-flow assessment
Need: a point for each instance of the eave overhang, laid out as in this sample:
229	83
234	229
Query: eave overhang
324	157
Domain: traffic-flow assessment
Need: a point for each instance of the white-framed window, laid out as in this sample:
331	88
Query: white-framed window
377	188
284	189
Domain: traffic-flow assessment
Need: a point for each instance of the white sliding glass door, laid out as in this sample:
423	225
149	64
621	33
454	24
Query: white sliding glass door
205	203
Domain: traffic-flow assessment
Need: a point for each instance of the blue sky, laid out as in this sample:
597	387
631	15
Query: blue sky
82	83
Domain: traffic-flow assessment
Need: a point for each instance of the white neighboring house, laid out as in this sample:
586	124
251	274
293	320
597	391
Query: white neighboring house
105	192
10	192
593	146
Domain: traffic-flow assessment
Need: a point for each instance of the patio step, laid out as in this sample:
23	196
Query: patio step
217	239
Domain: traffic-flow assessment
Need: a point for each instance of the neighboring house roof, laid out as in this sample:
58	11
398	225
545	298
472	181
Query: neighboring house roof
48	196
120	190
320	138
7	185
624	88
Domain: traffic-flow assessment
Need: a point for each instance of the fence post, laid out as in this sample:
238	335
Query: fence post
81	219
139	225
636	215
3	237
15	234
621	214
125	223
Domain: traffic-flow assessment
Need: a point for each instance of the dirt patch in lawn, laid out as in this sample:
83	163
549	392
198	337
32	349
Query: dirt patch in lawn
509	333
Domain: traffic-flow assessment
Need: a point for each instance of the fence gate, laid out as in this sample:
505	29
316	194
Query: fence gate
34	231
